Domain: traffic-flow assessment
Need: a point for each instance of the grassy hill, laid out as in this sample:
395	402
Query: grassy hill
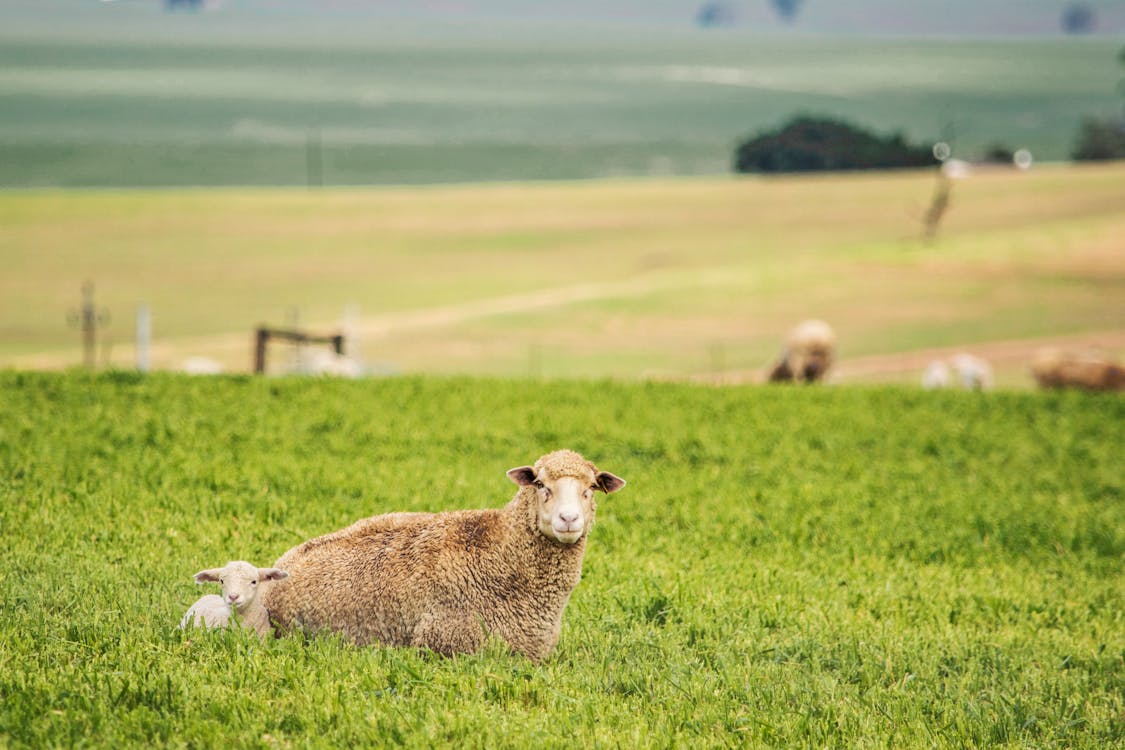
187	101
625	278
787	567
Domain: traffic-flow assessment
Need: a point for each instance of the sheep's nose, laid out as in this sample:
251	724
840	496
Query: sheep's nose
569	518
233	597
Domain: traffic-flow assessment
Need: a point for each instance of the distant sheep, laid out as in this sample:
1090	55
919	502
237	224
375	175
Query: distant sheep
936	375
329	363
809	351
1053	368
445	581
241	585
972	373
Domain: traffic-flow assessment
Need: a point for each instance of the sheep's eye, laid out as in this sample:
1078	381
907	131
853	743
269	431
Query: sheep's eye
221	581
253	583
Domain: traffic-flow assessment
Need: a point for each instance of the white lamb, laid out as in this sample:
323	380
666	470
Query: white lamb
239	580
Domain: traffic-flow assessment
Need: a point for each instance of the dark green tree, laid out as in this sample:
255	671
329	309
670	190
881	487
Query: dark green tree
1102	139
810	144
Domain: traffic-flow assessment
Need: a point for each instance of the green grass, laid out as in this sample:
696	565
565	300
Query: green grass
862	567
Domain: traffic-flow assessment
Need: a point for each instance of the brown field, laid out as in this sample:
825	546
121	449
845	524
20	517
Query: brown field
681	279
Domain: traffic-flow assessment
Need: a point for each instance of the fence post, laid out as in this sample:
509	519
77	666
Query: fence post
261	336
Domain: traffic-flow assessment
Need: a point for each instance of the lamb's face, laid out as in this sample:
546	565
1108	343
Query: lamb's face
240	581
564	485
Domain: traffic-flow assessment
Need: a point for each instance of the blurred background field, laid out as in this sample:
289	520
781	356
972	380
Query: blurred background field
123	94
501	190
684	278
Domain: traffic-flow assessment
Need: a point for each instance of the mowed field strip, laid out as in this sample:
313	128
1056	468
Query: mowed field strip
633	278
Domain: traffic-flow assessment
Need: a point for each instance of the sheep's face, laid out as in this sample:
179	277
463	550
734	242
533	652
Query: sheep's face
812	363
564	484
240	581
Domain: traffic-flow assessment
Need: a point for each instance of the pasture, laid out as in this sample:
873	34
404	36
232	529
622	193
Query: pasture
667	279
107	96
859	567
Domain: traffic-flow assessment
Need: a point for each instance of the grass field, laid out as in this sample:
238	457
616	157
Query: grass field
862	567
116	99
627	279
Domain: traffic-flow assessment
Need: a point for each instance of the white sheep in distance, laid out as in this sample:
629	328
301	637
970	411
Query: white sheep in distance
241	585
1053	368
445	581
936	375
809	352
972	373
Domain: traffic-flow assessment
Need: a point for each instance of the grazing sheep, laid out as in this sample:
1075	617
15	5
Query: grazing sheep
808	353
1053	368
240	581
936	375
973	373
445	581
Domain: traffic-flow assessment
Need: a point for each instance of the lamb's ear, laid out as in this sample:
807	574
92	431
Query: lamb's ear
609	482
204	576
522	475
272	574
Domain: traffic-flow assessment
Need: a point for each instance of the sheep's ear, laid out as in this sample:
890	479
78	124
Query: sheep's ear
522	475
272	574
609	482
204	576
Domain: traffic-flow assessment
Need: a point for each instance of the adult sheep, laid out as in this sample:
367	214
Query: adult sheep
809	351
445	581
1053	368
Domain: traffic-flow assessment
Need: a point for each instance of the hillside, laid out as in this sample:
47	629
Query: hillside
622	278
250	94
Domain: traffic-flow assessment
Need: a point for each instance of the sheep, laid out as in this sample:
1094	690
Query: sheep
936	375
1053	368
446	581
239	580
809	351
973	373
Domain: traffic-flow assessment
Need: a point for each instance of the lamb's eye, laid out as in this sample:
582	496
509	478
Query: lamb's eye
221	581
253	583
